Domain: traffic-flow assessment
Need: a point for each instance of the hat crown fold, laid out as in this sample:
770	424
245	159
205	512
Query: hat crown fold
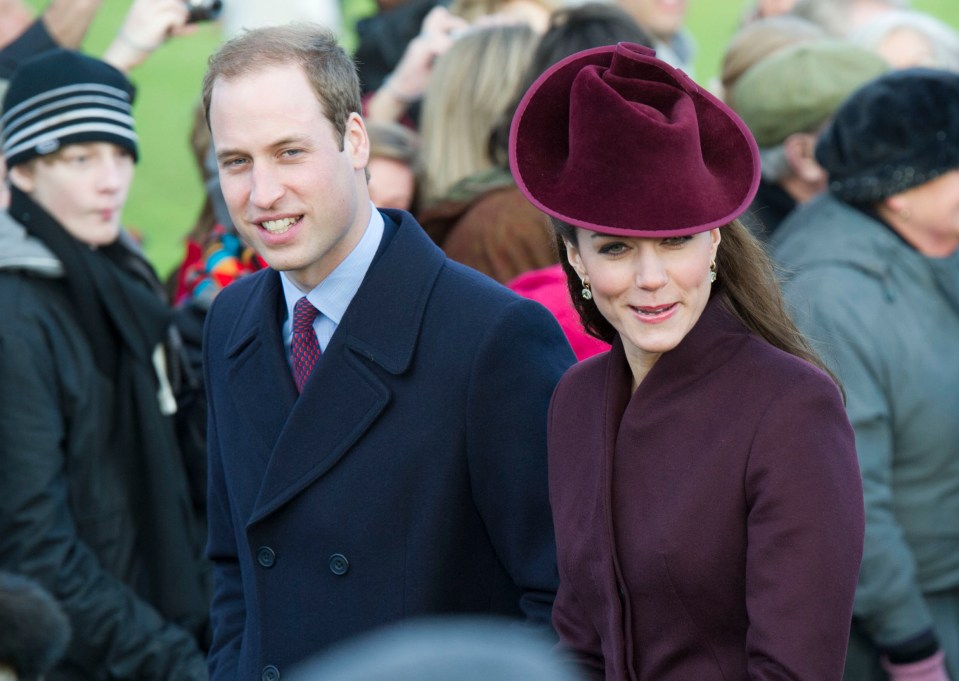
607	138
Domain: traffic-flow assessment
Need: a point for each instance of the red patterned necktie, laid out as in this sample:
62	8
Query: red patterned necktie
304	348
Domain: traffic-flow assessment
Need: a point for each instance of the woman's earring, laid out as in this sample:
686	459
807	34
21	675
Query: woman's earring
712	272
586	292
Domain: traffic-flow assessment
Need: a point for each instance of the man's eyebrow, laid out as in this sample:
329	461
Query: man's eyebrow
226	153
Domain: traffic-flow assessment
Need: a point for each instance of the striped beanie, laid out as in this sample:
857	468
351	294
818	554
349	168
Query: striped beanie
63	97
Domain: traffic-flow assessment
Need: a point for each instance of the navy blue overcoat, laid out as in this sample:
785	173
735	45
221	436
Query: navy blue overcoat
409	478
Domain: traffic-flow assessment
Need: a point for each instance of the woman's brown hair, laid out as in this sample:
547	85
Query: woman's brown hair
747	286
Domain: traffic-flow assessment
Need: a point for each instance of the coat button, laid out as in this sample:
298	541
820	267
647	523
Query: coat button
270	673
265	557
339	564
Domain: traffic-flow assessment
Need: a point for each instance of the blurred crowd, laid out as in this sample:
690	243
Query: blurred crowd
854	109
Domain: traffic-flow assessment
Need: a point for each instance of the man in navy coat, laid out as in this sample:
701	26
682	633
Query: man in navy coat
403	471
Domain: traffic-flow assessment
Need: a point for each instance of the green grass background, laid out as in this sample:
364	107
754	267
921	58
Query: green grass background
167	193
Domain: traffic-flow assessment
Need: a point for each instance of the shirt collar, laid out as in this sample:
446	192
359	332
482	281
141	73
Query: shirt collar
333	295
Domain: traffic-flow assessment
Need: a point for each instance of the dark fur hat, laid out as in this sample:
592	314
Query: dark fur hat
34	631
897	132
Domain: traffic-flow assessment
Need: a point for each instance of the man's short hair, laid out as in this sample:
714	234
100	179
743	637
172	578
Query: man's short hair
328	67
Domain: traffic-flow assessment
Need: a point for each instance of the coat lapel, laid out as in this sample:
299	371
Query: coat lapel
259	378
351	385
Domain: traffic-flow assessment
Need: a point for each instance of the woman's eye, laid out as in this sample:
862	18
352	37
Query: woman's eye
676	240
614	248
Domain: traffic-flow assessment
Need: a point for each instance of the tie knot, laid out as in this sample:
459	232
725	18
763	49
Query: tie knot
303	315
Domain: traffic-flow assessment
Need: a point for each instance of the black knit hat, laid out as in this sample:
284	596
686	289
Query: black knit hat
63	97
894	133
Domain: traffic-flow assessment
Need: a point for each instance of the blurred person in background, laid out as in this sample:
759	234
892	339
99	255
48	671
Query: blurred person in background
665	20
146	27
471	85
841	17
64	23
385	37
756	40
451	648
237	16
904	38
394	165
763	9
95	501
703	478
533	13
786	99
873	281
395	95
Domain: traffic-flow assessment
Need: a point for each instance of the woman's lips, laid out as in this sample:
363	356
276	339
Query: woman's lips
655	313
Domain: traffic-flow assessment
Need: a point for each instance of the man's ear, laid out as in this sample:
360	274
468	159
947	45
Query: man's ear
800	149
356	141
897	205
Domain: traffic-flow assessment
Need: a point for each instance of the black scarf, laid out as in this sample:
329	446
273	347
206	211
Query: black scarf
124	321
118	313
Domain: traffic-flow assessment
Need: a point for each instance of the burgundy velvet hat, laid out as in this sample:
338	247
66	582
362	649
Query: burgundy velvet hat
616	141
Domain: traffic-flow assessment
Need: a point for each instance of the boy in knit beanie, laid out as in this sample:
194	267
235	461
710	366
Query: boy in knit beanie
94	501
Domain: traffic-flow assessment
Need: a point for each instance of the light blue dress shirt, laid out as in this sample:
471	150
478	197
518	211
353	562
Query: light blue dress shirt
333	295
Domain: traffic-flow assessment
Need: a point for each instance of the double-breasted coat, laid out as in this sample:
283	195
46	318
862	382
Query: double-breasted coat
408	478
710	525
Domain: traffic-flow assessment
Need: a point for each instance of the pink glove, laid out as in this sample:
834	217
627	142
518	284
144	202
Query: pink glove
931	669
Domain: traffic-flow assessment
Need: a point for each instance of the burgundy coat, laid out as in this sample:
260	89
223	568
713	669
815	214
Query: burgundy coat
709	526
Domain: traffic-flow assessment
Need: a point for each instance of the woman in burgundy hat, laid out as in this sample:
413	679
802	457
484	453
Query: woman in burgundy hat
704	482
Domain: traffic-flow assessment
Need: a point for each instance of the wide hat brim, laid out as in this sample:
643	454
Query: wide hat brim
616	141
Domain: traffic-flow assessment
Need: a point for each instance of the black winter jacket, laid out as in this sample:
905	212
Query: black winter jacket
67	508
